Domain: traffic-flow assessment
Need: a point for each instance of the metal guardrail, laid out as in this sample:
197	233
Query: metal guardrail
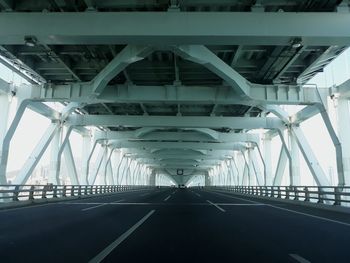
10	193
316	194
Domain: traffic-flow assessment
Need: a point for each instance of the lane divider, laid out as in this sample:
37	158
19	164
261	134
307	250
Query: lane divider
299	259
93	207
218	207
104	253
166	199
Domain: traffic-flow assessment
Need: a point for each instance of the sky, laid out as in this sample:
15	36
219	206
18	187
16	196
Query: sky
33	126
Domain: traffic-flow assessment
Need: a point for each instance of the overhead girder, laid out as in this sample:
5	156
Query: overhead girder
176	121
257	94
203	56
179	145
176	136
173	28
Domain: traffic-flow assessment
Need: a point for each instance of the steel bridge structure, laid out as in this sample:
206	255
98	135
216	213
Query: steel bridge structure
171	91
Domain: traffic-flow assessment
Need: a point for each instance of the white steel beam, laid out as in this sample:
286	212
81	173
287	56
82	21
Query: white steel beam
343	115
176	121
4	153
258	94
70	164
172	28
176	136
203	56
310	158
36	155
97	166
281	166
127	56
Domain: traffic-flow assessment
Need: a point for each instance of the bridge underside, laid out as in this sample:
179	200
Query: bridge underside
174	89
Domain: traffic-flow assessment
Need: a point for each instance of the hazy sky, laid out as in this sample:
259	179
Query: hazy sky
33	125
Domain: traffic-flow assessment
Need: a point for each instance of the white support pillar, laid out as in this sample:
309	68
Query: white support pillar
267	160
97	166
4	152
344	136
310	158
281	166
289	157
36	155
55	145
4	115
294	150
108	174
256	166
70	164
103	171
86	149
88	162
60	151
246	172
120	169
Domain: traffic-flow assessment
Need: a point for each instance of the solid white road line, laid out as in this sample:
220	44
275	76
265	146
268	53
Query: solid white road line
166	199
218	207
234	204
242	199
121	200
198	194
104	253
299	258
309	215
93	207
290	210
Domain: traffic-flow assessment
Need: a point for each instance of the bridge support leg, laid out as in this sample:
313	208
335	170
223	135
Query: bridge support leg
36	155
86	149
70	164
294	150
267	160
344	136
97	165
55	145
4	116
310	158
5	146
281	166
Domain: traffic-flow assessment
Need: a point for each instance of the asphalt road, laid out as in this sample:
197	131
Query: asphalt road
173	225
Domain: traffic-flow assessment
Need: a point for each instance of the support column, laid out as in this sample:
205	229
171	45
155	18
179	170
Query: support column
70	164
267	160
4	116
36	155
281	166
294	150
55	145
4	152
310	158
344	136
86	149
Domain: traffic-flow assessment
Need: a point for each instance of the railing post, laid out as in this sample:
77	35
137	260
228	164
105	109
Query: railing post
43	193
272	191
79	190
296	191
54	194
279	195
15	193
337	196
72	190
307	194
320	196
64	191
287	192
31	192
